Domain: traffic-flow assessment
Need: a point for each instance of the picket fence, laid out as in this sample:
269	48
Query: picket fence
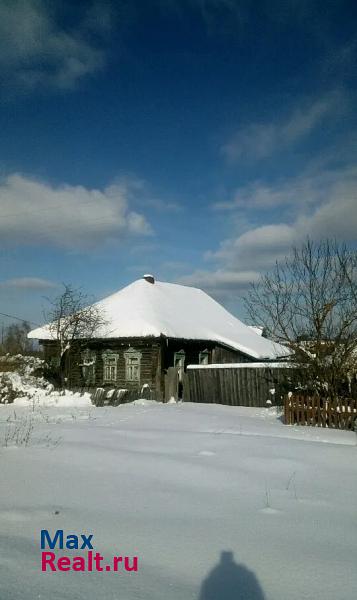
318	411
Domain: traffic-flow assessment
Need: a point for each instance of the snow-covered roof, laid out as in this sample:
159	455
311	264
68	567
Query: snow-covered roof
146	309
259	330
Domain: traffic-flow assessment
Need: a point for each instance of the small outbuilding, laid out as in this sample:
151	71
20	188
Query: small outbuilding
152	326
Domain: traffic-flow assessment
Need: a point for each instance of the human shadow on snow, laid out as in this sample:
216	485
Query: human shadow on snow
230	581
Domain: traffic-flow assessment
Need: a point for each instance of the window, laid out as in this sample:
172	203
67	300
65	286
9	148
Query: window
132	368
88	366
179	359
110	360
203	357
132	365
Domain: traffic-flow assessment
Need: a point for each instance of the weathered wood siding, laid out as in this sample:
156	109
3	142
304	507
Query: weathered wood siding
222	355
193	348
236	387
157	357
149	363
49	351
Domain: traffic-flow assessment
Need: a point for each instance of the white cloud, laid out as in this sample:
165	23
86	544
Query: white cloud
310	188
256	248
219	279
260	140
35	49
337	217
68	216
330	211
28	284
140	191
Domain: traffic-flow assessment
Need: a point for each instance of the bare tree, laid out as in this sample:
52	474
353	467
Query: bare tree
71	317
309	302
15	339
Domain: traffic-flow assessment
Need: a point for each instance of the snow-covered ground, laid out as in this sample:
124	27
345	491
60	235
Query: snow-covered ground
178	485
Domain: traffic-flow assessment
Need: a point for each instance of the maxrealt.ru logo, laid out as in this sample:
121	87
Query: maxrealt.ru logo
88	561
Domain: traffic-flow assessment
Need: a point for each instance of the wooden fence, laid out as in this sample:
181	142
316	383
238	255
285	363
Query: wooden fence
114	397
246	384
320	412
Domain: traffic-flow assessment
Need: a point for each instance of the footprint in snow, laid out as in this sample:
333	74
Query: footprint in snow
269	511
25	515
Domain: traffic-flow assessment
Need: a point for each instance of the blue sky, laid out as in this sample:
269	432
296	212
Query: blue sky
194	139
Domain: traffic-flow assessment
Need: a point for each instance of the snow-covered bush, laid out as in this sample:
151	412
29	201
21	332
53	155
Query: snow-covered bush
25	365
14	385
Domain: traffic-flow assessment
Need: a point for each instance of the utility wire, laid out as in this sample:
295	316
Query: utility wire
19	319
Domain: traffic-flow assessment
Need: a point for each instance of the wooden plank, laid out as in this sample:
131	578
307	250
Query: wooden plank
286	411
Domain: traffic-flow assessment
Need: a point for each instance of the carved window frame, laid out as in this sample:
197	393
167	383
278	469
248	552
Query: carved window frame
89	358
132	359
179	359
203	357
110	366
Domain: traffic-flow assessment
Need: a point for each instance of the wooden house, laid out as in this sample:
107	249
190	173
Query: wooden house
150	327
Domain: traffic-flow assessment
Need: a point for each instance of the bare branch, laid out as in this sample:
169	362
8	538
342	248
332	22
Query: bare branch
72	317
309	302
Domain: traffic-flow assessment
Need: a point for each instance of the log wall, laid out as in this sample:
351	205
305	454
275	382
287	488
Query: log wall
157	362
149	364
